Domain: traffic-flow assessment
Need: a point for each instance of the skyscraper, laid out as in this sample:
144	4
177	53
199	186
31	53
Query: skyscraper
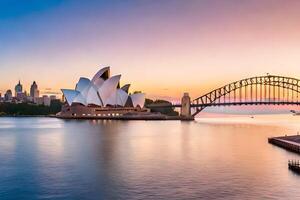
34	92
20	96
18	89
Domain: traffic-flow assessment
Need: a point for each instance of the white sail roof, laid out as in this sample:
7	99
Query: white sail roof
125	88
138	99
119	98
80	99
112	100
92	96
70	95
122	97
98	82
100	73
102	90
108	90
82	85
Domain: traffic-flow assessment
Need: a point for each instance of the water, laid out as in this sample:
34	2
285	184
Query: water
211	158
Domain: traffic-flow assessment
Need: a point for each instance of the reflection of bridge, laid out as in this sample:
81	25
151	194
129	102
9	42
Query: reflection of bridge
261	90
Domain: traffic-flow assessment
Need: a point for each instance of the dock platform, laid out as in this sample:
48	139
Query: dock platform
290	143
294	165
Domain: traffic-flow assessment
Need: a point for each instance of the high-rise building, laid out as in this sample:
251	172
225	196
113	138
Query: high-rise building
18	89
34	92
19	94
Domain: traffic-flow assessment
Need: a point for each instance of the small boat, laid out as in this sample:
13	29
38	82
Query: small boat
295	112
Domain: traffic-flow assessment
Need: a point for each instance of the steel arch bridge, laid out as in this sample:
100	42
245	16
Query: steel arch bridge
259	90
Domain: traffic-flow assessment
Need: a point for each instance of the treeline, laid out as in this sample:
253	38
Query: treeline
167	110
12	109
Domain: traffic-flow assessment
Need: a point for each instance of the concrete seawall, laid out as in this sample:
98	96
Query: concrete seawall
290	143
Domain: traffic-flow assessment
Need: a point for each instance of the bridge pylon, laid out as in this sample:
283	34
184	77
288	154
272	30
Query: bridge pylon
185	111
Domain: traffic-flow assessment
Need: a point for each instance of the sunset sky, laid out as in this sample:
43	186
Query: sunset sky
161	47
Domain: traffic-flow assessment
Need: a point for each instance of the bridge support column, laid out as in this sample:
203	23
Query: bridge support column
185	111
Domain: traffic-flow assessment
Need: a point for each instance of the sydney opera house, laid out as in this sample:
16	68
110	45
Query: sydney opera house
102	97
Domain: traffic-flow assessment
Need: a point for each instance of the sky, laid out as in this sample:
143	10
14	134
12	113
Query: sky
163	48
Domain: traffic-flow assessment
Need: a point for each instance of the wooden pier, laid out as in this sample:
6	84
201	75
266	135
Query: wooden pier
290	143
294	165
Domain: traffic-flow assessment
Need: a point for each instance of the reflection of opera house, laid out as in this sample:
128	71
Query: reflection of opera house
102	97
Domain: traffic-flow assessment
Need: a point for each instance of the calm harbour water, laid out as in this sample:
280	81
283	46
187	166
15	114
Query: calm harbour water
210	158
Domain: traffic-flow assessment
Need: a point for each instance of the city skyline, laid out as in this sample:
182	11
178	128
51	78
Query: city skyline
27	89
164	48
21	95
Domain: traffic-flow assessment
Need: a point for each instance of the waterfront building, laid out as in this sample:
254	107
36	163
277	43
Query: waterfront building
52	97
46	100
29	99
39	101
8	96
101	96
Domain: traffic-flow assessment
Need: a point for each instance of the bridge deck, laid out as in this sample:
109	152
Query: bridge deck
246	103
226	104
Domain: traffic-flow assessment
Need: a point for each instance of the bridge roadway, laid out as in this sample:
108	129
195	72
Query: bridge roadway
225	104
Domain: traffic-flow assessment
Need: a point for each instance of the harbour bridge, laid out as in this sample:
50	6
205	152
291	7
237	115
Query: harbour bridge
259	90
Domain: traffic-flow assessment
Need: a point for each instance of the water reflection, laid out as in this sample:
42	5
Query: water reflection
224	158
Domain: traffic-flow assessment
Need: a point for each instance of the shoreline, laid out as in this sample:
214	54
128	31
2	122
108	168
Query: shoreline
130	117
123	118
19	116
